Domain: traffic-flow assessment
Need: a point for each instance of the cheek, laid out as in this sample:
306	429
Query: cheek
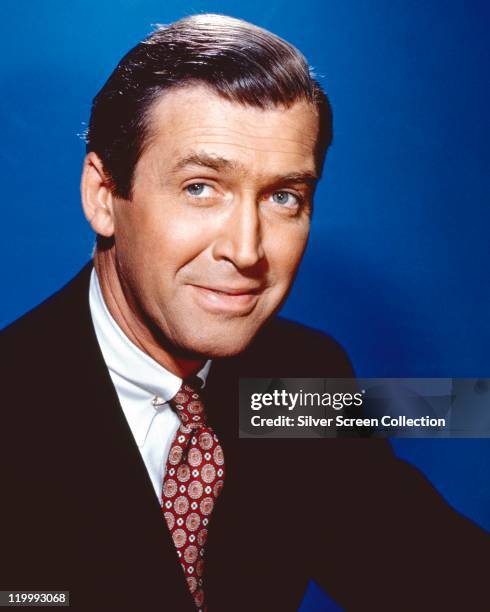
184	236
285	250
159	232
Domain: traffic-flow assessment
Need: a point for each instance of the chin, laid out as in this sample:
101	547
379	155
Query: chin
224	345
219	352
215	350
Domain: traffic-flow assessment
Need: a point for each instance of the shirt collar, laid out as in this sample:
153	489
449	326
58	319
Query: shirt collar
141	375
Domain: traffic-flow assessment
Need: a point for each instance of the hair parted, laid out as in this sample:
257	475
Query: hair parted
239	61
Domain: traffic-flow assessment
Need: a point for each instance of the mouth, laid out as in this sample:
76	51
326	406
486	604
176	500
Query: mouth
226	300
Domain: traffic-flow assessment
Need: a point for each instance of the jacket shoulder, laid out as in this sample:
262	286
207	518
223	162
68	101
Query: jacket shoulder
50	320
50	344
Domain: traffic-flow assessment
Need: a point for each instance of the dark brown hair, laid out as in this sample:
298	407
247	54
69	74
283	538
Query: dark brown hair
241	62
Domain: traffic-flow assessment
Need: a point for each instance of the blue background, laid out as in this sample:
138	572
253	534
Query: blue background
397	267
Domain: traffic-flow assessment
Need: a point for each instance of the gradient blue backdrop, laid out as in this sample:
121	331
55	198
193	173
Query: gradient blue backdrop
398	263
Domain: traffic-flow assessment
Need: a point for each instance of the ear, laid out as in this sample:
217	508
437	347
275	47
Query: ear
97	198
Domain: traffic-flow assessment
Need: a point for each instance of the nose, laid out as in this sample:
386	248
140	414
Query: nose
240	237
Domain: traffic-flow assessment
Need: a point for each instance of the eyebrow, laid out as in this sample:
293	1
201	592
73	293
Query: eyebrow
215	162
218	163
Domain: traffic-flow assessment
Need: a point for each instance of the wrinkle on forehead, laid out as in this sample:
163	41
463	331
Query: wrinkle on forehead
274	127
247	147
255	133
218	163
271	145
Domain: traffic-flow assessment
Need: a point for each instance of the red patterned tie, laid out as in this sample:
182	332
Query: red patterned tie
193	480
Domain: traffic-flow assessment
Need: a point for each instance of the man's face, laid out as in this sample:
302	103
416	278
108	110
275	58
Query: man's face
208	246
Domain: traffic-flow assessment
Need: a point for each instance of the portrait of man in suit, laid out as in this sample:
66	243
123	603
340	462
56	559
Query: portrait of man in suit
128	484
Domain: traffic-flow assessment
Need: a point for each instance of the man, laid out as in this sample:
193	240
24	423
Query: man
203	151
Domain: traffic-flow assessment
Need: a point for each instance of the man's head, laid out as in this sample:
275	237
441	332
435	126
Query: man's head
237	60
203	150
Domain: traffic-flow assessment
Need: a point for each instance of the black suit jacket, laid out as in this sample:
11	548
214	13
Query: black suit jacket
79	511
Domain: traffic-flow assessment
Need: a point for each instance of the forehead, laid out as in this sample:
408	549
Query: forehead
195	120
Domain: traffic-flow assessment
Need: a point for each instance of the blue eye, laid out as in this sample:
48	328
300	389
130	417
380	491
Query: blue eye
198	190
285	198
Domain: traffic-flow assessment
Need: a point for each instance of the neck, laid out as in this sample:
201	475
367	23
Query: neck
132	323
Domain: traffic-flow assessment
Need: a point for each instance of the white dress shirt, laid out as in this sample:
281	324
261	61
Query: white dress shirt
143	387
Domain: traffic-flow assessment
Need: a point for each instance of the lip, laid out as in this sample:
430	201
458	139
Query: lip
226	300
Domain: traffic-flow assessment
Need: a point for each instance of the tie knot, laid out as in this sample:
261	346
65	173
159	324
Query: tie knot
189	406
